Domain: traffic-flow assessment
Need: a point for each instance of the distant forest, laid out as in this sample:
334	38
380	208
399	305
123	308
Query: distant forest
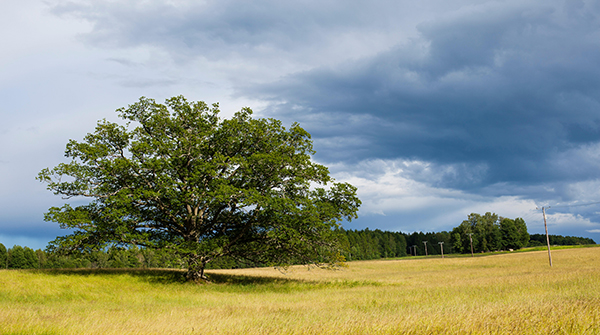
540	239
357	245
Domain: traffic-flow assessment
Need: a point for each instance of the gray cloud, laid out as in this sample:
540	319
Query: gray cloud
213	29
513	91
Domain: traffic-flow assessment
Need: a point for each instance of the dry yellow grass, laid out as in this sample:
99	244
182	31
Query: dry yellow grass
503	294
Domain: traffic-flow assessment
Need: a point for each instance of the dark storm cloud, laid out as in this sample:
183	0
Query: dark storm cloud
487	92
514	91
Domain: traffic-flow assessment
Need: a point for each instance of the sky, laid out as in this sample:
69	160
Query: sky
434	109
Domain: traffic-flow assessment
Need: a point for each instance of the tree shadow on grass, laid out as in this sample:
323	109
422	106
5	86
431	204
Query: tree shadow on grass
217	281
244	280
162	276
177	276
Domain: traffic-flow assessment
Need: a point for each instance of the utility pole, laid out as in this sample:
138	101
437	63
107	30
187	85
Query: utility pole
547	236
415	249
471	238
425	242
442	248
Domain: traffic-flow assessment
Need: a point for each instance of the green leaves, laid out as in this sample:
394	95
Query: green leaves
177	176
489	233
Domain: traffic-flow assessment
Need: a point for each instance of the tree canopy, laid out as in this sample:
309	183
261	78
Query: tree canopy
489	232
176	176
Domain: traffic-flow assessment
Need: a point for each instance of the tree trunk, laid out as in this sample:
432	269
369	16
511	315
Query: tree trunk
195	271
196	275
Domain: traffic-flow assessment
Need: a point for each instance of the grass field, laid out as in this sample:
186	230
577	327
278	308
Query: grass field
499	294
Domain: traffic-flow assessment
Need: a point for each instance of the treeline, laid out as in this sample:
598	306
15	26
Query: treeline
356	245
374	244
19	257
434	242
485	233
540	239
489	232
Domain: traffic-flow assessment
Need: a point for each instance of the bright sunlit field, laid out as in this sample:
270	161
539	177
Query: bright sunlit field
498	294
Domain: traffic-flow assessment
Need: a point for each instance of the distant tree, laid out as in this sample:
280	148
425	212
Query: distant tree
514	233
400	245
3	257
535	243
435	238
371	244
58	261
523	233
488	230
510	234
353	252
416	239
16	258
485	230
388	244
119	258
150	259
42	258
460	235
135	257
99	259
178	177
457	242
31	258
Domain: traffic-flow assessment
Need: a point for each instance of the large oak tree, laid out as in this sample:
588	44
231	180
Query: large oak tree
176	176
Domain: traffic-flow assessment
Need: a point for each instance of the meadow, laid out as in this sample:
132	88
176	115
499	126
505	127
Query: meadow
514	293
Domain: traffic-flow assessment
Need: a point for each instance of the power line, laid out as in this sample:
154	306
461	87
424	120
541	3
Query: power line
574	205
531	215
